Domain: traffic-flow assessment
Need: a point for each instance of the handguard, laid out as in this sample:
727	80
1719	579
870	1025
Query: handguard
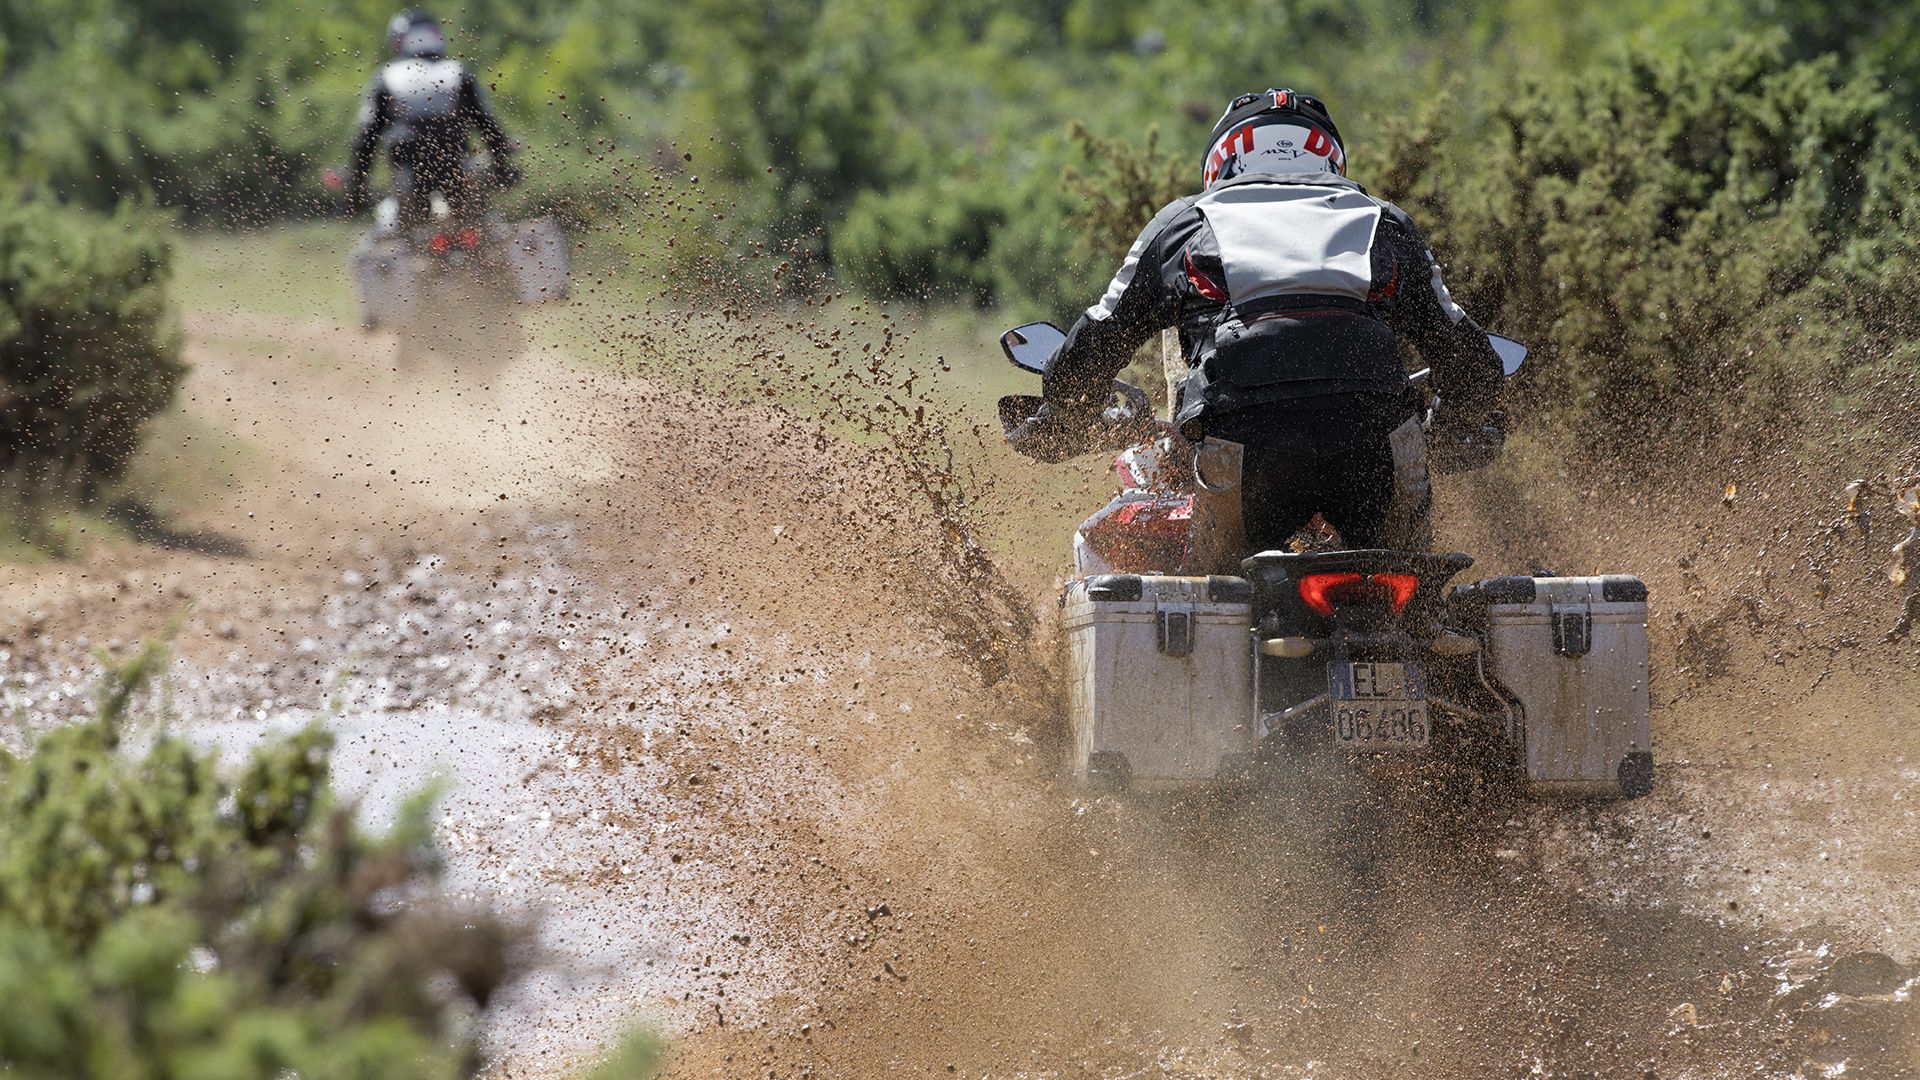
1034	428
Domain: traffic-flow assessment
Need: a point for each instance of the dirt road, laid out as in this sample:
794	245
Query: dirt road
708	689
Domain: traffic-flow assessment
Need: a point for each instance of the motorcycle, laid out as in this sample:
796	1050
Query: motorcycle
458	267
1191	662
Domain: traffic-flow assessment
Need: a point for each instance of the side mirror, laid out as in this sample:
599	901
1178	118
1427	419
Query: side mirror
1512	353
1030	346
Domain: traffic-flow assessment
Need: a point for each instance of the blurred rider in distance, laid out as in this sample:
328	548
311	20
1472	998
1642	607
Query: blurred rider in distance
423	108
1291	288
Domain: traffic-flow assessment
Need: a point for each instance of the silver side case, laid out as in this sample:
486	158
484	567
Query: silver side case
386	279
1575	658
1159	680
536	253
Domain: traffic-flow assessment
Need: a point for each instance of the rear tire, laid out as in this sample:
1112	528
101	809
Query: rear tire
464	326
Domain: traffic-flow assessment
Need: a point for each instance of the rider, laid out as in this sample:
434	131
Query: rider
422	107
1291	288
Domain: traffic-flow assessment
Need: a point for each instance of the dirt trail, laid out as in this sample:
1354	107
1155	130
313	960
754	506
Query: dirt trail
710	716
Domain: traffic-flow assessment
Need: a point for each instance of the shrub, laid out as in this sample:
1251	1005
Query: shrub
87	351
159	918
1678	232
1120	191
929	241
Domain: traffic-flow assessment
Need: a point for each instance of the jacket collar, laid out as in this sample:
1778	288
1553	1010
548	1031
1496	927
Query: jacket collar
1310	179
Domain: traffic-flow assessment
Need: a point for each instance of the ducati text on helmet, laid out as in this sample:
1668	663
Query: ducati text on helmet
1274	131
415	33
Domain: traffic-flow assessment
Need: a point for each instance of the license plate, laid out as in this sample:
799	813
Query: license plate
1378	706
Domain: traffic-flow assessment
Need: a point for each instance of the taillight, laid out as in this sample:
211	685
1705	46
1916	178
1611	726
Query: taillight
438	243
1401	586
1322	591
469	238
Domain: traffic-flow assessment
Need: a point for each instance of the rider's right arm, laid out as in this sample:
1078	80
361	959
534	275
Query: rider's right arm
376	112
1136	306
1418	305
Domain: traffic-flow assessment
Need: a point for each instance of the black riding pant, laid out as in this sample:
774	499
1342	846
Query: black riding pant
420	169
1357	460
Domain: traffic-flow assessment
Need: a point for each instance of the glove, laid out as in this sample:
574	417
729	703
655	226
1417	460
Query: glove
1053	434
1462	444
505	175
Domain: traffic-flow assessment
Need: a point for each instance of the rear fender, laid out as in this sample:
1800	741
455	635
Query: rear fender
1279	609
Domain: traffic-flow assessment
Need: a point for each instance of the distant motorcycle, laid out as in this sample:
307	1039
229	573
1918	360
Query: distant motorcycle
457	267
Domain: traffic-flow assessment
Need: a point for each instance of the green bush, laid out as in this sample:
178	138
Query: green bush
1120	188
1882	33
160	918
1043	245
1678	232
87	351
928	241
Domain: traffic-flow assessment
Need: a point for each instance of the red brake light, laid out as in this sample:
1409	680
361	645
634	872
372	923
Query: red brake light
1402	586
1317	590
439	243
1321	591
469	238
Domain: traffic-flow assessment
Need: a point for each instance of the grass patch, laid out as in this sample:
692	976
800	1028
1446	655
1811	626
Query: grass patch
624	318
294	272
31	532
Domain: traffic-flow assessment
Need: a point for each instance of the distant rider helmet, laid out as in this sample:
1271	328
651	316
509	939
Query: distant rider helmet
414	33
1273	131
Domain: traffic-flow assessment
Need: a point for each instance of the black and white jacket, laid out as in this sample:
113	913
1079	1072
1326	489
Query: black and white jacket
1284	287
424	109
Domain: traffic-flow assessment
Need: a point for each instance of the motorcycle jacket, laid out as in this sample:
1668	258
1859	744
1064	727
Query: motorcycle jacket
422	109
1284	288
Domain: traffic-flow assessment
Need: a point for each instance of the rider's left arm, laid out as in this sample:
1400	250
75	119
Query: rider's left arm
1466	370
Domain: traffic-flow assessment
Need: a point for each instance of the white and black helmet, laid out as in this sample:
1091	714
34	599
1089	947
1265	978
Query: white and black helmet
414	33
1273	131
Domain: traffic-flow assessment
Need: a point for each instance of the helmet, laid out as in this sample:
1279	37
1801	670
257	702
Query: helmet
1273	131
414	33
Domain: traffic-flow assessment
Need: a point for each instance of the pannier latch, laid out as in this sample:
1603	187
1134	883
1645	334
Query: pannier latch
1572	630
1176	630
